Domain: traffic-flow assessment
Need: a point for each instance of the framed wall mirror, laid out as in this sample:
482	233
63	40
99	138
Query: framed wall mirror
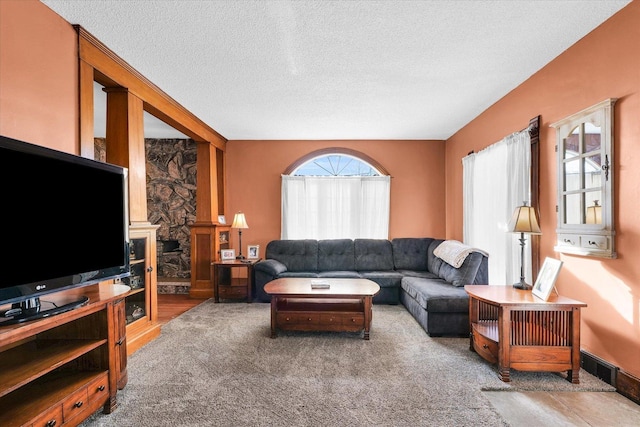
585	182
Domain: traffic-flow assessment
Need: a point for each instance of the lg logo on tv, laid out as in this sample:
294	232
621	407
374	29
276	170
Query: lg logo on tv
41	287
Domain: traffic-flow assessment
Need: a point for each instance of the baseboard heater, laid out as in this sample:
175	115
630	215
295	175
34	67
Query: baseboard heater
599	368
624	383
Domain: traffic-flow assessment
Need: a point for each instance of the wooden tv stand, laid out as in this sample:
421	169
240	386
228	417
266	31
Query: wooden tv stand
61	369
515	329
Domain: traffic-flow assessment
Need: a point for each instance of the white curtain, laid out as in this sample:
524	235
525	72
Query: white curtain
319	207
495	181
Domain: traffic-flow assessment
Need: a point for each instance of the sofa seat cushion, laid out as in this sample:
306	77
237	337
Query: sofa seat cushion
436	295
385	279
298	274
416	273
341	274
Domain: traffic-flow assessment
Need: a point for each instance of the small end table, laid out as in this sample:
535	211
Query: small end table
237	287
516	330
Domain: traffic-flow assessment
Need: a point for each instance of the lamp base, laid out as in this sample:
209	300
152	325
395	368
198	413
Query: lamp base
241	257
522	285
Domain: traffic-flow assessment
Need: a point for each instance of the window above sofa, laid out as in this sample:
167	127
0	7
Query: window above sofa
335	194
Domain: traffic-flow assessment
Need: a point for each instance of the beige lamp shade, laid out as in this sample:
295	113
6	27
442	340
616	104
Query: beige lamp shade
594	213
239	221
524	220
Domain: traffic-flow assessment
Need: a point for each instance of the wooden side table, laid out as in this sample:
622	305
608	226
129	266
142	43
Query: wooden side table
515	329
236	287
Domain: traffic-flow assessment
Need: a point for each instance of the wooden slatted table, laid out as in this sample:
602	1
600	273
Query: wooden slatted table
515	329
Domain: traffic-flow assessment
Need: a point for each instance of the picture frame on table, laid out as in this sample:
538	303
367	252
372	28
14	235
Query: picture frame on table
227	254
545	283
253	251
222	220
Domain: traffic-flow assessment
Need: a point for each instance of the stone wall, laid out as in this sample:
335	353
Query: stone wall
171	200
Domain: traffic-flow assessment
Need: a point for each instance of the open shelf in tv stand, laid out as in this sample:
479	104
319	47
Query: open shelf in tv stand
61	369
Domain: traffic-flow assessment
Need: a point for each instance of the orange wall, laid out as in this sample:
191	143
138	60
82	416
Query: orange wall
604	64
417	184
38	76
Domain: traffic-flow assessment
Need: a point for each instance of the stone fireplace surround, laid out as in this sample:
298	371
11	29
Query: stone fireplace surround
171	204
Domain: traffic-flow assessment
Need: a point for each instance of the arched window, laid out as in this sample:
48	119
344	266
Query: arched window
335	193
335	165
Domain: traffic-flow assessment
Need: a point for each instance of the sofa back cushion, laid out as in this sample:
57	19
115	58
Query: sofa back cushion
336	255
463	275
373	254
433	262
482	276
297	255
473	270
411	253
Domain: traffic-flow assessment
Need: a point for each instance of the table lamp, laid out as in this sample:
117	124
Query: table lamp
524	220
239	222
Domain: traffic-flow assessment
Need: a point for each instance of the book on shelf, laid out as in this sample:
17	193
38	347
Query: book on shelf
319	284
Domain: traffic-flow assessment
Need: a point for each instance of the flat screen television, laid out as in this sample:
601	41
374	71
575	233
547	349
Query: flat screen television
65	224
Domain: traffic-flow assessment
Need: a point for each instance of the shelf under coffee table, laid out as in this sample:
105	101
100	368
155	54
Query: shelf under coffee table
346	306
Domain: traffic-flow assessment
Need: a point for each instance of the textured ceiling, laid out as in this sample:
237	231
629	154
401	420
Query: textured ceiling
337	69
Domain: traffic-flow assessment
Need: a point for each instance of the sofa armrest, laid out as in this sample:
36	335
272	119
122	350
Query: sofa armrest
271	266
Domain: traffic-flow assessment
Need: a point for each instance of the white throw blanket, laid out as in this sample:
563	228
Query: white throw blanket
454	253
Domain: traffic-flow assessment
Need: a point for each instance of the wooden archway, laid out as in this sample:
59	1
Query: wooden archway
129	94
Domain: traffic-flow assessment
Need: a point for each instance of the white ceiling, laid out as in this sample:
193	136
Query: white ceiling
337	69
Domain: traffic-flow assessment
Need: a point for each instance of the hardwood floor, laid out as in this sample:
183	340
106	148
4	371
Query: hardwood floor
569	408
173	305
589	409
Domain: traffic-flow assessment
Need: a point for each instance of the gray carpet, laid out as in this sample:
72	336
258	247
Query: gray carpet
215	365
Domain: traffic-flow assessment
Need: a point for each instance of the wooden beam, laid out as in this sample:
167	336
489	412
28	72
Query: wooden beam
118	72
534	134
86	111
125	146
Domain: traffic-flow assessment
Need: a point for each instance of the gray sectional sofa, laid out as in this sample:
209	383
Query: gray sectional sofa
406	270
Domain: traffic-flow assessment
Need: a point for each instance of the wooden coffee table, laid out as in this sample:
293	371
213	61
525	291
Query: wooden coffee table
346	306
